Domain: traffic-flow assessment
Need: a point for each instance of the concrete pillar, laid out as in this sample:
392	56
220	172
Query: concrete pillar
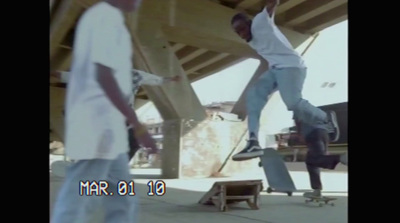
171	152
174	101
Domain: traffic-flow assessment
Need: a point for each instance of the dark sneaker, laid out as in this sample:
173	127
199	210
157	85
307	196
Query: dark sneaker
333	127
252	150
312	194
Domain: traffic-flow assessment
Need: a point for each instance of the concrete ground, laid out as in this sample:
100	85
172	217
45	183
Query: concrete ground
179	204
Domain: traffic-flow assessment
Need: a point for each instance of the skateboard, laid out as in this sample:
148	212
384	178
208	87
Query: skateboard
321	200
276	172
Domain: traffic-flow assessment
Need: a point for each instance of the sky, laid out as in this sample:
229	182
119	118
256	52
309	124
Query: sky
326	60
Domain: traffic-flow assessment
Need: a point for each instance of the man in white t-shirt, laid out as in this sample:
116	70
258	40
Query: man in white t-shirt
97	107
139	78
286	73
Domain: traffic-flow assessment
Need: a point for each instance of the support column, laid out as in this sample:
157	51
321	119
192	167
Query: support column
175	101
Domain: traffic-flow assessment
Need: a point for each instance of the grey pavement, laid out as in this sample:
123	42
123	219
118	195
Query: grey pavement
179	204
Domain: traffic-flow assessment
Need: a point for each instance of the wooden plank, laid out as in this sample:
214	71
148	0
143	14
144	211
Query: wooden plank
238	197
65	18
307	10
247	4
323	20
223	193
284	6
203	60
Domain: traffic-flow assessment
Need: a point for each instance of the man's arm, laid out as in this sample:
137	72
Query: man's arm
154	80
108	83
271	5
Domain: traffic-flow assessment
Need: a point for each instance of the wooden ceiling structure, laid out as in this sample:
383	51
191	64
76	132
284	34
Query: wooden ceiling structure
199	59
198	33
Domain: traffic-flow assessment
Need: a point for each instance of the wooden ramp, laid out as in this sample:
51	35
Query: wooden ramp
223	193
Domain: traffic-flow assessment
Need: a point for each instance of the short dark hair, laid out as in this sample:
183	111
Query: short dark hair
239	16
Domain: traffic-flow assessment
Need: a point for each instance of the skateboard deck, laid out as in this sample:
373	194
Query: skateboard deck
276	172
321	200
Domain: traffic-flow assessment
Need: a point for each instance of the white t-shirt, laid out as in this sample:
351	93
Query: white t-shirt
139	78
271	44
94	126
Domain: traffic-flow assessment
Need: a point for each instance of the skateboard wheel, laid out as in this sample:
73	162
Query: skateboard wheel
269	190
259	164
289	194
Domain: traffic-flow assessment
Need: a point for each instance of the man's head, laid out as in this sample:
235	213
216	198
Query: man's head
242	26
126	5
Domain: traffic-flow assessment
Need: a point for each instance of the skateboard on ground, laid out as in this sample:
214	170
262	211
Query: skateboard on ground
276	172
321	200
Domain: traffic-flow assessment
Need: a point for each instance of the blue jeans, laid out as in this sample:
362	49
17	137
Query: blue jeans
289	82
71	207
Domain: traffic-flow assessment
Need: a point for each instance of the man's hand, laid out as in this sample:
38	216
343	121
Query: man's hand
271	6
145	139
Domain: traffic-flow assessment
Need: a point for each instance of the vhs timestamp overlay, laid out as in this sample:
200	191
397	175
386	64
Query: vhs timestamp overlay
122	188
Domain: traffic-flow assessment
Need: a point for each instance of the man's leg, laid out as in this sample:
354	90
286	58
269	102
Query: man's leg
71	206
290	84
317	148
256	99
317	143
122	206
133	144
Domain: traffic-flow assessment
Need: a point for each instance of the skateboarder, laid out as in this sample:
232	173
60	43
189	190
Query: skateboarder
286	73
139	78
317	140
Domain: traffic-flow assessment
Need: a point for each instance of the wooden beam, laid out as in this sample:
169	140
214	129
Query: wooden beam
202	61
215	67
245	4
66	64
153	54
65	18
323	20
308	10
177	46
328	24
286	5
59	59
230	3
204	41
188	54
185	22
57	97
